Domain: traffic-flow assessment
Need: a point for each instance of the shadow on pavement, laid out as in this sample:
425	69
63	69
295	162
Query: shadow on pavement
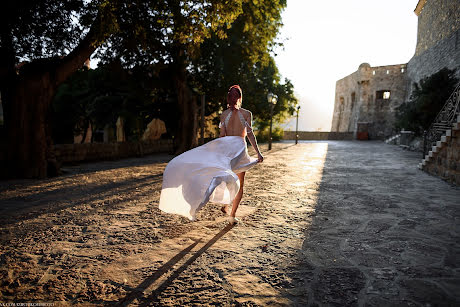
377	236
138	293
16	209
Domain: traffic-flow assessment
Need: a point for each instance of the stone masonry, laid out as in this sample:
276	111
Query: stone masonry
444	159
73	153
438	38
359	97
371	94
318	135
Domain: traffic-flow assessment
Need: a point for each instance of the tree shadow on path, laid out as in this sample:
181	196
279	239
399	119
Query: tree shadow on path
138	293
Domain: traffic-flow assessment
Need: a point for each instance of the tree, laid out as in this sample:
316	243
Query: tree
56	37
427	99
244	57
98	97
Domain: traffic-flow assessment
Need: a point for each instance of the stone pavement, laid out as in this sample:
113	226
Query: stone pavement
383	232
323	224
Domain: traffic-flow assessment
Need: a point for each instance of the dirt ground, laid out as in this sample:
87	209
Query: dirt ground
322	223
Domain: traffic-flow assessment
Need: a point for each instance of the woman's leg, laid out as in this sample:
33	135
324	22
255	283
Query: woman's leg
236	201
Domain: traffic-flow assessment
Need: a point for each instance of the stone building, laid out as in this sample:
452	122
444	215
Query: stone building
371	94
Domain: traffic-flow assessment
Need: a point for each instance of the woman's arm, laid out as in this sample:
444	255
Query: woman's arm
252	139
223	131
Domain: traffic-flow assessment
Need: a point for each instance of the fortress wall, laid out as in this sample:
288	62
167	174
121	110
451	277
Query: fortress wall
438	20
438	46
446	53
344	105
356	99
381	112
438	39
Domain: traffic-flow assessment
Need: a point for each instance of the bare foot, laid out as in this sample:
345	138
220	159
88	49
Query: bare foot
224	209
233	220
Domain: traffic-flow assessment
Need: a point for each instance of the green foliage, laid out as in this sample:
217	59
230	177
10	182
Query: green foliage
100	96
153	32
244	57
40	29
263	135
218	43
428	98
137	31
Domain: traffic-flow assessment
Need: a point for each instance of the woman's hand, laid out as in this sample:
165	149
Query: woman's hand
260	158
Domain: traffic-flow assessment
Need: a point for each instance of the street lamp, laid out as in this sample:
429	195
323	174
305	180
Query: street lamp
272	99
297	126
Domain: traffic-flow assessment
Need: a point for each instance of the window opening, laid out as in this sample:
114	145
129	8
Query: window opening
383	94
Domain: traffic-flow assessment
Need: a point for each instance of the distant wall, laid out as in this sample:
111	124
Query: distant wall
68	153
358	99
318	135
357	96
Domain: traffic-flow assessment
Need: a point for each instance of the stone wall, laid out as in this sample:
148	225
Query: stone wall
318	135
446	163
444	54
358	99
438	46
437	21
69	153
438	39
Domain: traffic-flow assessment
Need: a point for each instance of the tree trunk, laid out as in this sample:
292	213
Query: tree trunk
188	128
27	132
26	99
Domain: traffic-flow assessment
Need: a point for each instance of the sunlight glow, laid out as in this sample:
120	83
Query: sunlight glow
325	41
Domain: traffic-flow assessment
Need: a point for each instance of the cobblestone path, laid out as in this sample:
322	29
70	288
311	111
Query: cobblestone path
323	224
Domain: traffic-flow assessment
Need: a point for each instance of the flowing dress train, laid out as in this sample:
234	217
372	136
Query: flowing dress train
203	174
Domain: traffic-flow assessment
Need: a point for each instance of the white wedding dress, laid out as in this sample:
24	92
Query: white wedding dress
206	173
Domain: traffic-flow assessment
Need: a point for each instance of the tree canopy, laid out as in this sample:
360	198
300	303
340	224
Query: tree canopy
427	99
244	56
199	46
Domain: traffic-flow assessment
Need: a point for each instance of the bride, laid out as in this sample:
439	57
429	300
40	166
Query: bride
214	171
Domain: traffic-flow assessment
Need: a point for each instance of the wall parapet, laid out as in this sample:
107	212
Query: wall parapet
71	153
319	135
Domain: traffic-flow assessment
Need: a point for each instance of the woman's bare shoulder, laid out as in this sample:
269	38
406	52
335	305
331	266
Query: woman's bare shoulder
245	112
224	114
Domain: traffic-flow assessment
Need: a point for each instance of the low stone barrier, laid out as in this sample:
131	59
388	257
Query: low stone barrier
446	162
318	135
68	153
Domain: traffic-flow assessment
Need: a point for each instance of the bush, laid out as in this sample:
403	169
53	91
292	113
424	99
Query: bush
263	135
427	99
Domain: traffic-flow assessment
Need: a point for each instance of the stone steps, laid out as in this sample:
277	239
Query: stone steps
392	138
440	144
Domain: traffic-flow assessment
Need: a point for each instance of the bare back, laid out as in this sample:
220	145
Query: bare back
232	124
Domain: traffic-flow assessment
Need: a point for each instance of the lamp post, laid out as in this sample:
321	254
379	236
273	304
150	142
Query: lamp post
202	118
297	126
272	99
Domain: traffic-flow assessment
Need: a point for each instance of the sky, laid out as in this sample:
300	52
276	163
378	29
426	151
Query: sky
327	40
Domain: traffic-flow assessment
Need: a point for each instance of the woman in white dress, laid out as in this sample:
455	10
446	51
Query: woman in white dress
214	171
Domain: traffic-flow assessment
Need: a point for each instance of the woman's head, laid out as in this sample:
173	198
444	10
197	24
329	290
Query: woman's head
234	96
